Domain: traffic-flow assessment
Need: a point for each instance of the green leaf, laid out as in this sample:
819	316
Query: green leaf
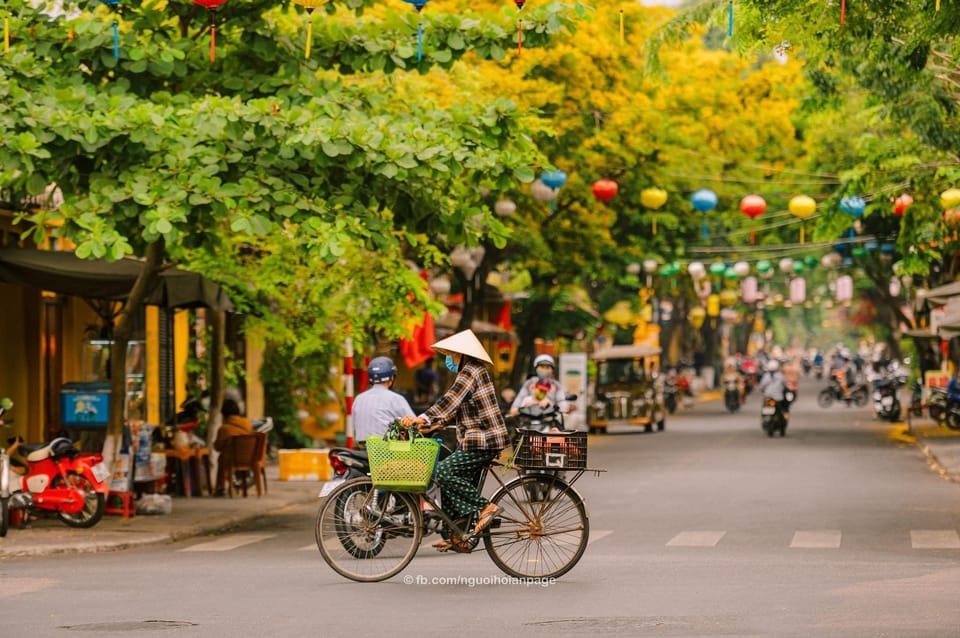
164	226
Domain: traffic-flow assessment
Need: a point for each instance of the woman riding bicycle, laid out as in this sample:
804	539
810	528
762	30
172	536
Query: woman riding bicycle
471	403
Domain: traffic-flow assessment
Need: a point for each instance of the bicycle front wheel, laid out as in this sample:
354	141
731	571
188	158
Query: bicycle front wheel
366	534
542	538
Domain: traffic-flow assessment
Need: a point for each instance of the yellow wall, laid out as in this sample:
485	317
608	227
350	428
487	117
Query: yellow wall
181	350
14	380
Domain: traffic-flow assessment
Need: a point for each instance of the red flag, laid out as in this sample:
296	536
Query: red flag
416	349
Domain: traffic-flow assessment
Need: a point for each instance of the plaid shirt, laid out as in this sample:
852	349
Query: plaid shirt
471	403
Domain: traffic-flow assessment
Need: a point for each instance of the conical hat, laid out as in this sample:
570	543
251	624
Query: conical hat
463	343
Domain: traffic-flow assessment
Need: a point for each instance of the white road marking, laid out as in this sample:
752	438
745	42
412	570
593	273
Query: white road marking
226	543
598	534
817	539
696	539
934	539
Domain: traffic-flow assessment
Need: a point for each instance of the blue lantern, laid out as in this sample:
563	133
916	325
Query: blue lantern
887	248
554	179
853	205
704	200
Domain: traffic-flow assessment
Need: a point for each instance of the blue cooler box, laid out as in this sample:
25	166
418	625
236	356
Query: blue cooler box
85	405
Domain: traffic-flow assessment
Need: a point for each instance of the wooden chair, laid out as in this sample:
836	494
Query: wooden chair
246	453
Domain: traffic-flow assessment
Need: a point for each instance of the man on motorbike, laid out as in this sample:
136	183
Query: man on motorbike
377	407
541	394
732	378
773	385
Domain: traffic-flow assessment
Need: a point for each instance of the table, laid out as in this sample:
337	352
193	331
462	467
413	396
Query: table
188	466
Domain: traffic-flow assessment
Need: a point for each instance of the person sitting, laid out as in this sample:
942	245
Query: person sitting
233	425
541	394
378	406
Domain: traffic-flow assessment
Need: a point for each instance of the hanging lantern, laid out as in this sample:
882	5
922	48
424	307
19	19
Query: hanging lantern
554	179
309	6
810	261
844	288
718	268
541	192
653	198
950	198
713	305
604	189
212	6
786	265
115	6
802	207
798	290
730	275
853	205
696	270
704	200
742	268
752	206
418	5
728	297
894	287
504	208
748	289
764	266
797	267
901	204
697	316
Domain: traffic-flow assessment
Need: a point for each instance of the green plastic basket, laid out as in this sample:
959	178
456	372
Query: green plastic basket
402	466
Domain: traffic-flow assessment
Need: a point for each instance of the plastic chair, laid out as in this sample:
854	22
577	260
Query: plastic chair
246	453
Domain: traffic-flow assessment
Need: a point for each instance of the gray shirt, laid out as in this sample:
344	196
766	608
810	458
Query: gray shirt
773	385
375	409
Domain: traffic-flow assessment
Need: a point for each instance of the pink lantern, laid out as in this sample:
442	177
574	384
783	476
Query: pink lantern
798	290
748	289
844	288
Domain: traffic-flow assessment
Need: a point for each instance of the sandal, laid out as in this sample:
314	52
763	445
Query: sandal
486	517
461	547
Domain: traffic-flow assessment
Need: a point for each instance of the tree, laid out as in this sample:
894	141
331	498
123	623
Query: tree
168	155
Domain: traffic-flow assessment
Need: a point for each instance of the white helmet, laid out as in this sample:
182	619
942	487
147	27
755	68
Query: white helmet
544	360
773	365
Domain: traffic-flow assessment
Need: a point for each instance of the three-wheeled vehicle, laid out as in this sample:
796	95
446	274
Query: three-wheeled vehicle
626	390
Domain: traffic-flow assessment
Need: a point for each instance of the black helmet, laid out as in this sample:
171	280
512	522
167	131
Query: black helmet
381	369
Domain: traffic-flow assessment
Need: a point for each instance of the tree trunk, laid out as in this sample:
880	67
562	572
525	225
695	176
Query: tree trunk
218	367
122	330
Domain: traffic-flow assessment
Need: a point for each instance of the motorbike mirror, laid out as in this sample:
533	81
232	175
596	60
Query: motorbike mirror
6	403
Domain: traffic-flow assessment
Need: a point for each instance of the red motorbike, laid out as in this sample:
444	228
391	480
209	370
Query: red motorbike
61	480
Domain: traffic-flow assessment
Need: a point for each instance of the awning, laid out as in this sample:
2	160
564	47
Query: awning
939	295
65	273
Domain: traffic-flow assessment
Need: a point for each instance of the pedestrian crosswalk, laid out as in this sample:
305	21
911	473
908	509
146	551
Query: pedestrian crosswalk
919	539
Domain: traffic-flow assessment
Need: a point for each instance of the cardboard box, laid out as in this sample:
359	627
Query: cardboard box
305	464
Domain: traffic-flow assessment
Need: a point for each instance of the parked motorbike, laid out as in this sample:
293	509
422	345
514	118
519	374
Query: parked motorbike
60	480
886	402
937	405
833	392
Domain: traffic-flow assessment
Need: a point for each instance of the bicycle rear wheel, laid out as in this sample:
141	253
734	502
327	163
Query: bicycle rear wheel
366	534
537	539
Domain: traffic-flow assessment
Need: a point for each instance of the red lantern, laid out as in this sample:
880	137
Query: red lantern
605	189
901	204
752	206
212	6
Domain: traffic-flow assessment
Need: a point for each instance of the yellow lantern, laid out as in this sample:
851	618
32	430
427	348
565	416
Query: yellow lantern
653	198
950	198
728	297
713	305
697	316
802	207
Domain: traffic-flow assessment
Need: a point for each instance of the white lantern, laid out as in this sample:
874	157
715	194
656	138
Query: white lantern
650	266
633	268
786	265
696	270
504	208
894	287
741	268
543	193
440	286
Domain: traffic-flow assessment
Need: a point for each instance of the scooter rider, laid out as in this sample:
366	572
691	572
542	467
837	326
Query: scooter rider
377	407
773	385
541	394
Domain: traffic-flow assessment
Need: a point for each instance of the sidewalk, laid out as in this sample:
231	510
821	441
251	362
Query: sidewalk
190	517
939	444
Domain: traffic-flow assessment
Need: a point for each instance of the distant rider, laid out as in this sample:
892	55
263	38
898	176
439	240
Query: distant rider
773	385
541	394
377	407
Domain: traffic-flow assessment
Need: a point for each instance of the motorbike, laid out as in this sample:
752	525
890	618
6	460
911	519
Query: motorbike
937	404
670	394
772	419
731	395
833	392
59	480
886	403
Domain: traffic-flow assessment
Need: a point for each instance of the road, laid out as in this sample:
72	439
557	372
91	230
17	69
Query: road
707	529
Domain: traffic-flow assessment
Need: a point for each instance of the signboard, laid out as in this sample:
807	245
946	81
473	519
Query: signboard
573	380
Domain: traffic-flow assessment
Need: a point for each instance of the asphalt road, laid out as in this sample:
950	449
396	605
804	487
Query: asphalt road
707	529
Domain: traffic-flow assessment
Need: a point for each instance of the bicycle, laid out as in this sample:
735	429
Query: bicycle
368	534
